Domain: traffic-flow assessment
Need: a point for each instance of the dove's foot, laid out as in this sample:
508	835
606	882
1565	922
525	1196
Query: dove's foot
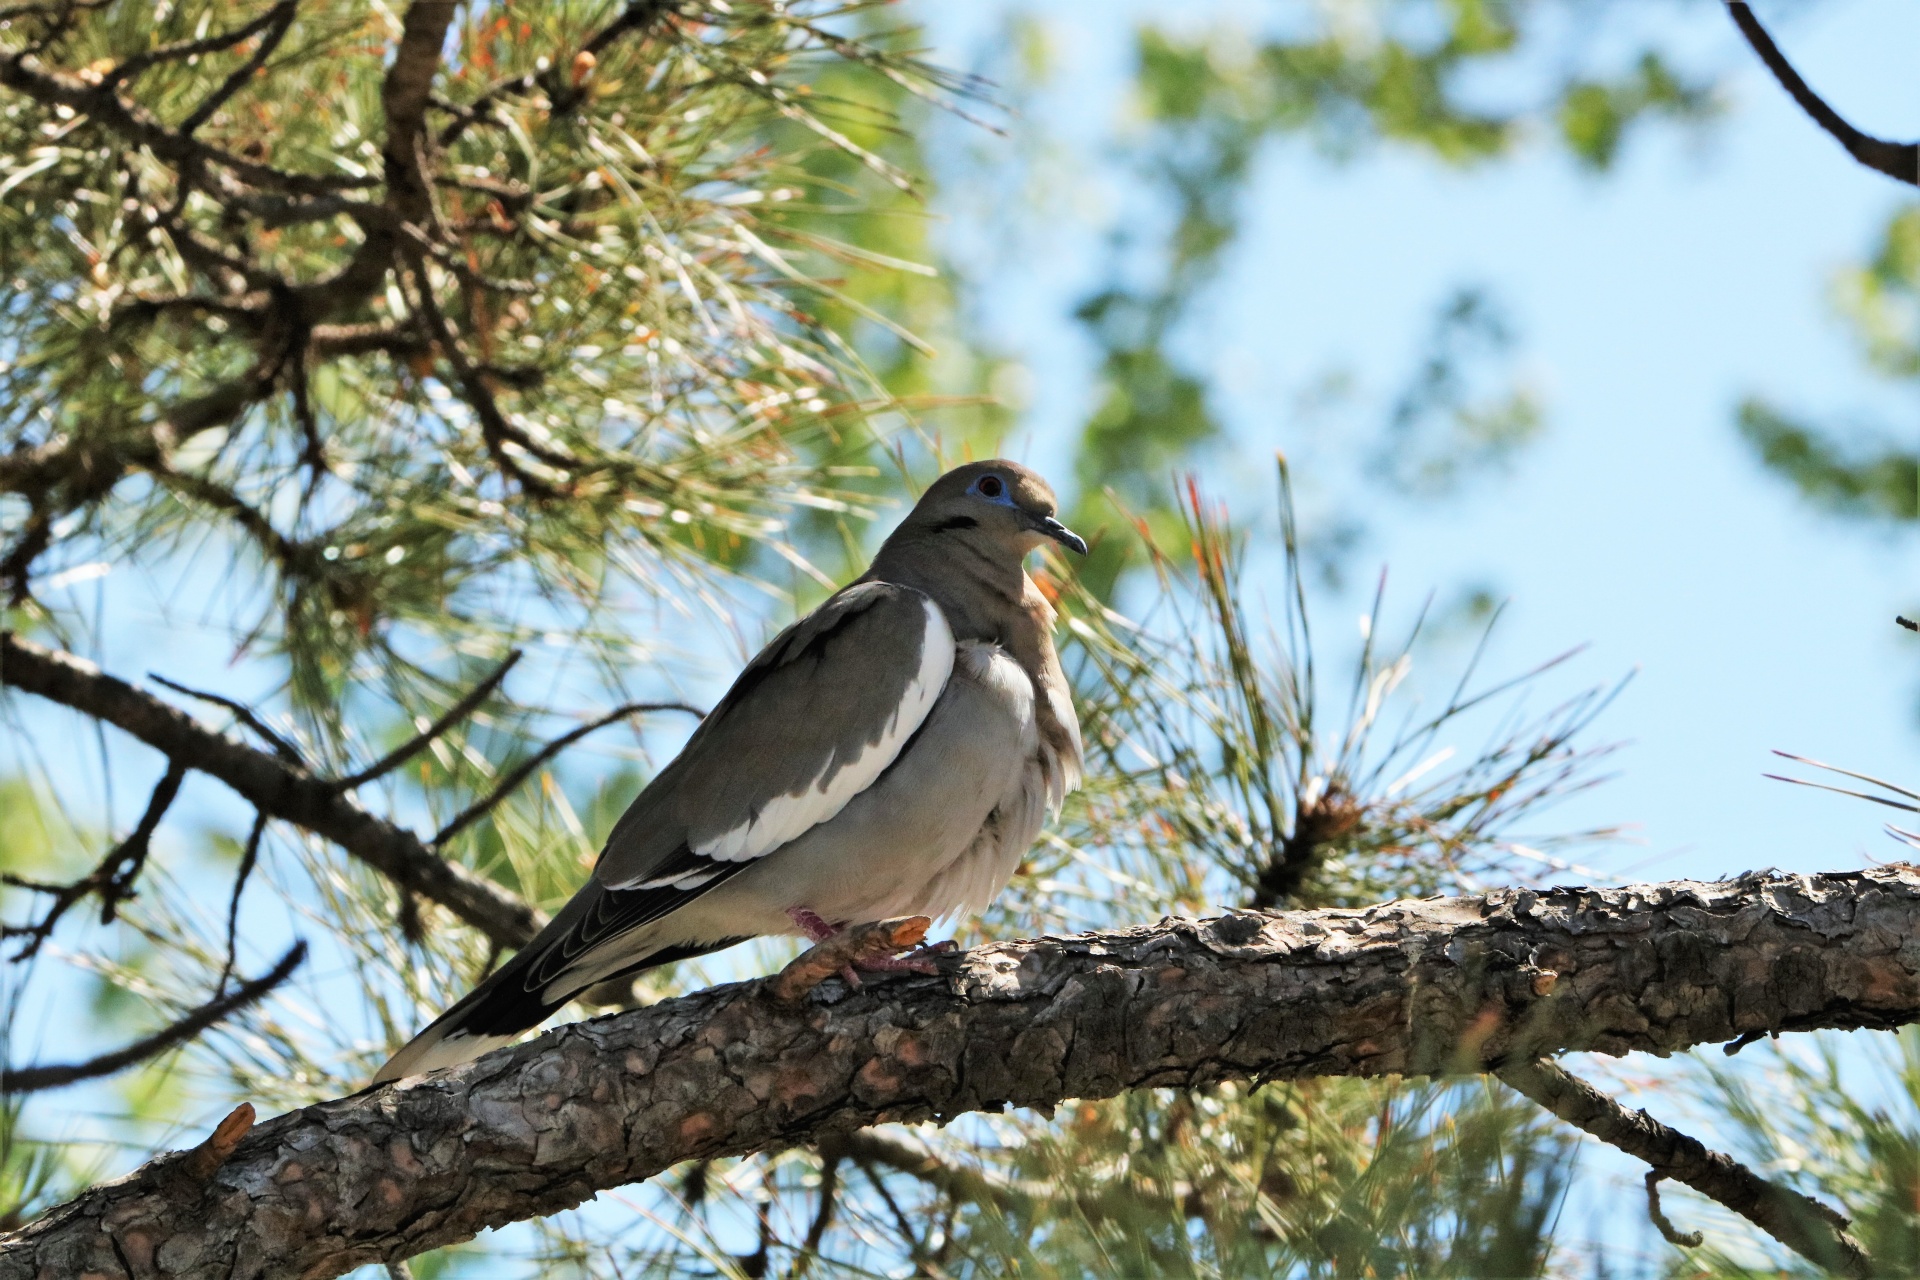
874	948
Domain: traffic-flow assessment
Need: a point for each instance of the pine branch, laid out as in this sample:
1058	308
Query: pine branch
182	50
1424	987
67	473
34	1079
1899	160
138	126
637	16
520	772
469	702
276	787
113	880
272	26
1804	1225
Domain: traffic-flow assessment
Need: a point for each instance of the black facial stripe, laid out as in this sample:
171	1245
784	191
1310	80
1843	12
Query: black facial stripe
956	522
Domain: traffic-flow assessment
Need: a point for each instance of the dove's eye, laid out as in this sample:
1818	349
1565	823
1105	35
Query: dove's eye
991	487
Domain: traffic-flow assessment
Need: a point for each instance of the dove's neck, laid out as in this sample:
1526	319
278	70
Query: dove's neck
982	590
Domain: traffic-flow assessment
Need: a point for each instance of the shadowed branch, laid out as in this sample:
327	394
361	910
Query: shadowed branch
1804	1225
453	715
1899	160
520	772
33	1079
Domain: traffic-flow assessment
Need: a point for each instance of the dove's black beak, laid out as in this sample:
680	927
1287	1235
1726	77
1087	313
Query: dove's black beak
1061	534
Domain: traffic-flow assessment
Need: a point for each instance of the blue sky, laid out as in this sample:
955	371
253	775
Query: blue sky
1646	304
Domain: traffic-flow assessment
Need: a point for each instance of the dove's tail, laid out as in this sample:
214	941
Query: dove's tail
521	994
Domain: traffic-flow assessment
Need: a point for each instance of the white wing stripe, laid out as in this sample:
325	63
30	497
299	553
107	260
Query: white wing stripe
683	881
785	817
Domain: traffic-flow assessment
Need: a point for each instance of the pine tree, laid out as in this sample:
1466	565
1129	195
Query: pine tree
451	373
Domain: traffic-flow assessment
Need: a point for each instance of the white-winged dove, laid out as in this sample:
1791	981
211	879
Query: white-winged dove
893	753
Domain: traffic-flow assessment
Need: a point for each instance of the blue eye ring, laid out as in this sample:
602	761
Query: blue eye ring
993	488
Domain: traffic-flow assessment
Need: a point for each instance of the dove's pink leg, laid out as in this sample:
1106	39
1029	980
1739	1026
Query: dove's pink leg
818	930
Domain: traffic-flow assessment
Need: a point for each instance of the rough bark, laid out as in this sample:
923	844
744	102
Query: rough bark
1423	987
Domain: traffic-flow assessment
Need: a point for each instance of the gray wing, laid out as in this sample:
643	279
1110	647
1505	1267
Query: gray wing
812	721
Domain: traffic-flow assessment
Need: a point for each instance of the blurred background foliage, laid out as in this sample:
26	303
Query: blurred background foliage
680	323
1851	466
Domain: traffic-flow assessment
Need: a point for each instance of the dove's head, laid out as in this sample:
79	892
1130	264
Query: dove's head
996	507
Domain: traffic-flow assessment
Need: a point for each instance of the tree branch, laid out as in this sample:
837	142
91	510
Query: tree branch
1804	1225
241	712
273	26
138	126
637	16
182	50
276	787
34	1079
1417	988
66	473
1899	160
404	96
868	1147
113	879
479	808
450	717
497	432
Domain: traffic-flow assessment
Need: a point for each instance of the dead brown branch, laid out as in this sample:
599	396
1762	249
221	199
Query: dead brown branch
204	1160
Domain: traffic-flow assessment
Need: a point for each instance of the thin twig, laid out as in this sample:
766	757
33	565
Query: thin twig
34	1079
53	8
184	49
245	714
1661	1223
496	431
637	14
869	1147
274	25
1899	160
822	1219
248	857
453	715
113	879
1804	1225
518	775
